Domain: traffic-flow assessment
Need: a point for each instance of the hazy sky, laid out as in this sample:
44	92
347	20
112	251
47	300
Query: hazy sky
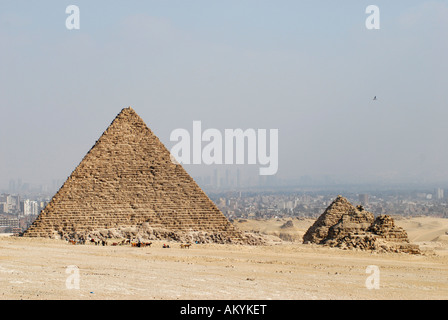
307	68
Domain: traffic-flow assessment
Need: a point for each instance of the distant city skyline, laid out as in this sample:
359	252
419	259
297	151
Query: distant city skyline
309	69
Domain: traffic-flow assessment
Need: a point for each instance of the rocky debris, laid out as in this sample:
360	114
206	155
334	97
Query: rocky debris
145	233
288	224
344	226
128	178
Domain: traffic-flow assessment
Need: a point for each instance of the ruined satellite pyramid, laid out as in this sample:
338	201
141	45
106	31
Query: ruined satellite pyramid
345	226
128	179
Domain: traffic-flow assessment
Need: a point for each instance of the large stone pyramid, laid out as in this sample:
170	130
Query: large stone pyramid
345	226
128	179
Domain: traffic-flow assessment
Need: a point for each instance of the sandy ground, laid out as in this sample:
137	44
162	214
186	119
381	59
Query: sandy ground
36	269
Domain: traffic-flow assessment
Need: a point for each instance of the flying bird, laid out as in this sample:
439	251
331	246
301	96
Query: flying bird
374	98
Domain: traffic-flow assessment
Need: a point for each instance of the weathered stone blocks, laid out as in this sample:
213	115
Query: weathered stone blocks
127	179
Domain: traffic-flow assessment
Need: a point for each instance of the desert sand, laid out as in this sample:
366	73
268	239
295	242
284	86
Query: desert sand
35	268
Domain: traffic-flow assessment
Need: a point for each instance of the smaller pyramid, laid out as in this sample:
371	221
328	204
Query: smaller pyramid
345	226
319	230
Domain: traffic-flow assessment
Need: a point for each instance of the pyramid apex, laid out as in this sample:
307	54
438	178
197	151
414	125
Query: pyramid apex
127	109
126	113
340	198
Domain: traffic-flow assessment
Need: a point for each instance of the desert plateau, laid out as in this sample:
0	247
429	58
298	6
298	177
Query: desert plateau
283	268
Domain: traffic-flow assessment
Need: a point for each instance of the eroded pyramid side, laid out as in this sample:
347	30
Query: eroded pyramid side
319	230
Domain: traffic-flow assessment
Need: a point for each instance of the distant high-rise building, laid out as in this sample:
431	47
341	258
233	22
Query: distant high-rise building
364	199
262	180
25	207
10	203
238	178
12	186
438	194
29	207
217	179
288	205
3	207
3	203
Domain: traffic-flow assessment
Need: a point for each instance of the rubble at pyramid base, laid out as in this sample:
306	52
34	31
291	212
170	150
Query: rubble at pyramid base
144	233
371	242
